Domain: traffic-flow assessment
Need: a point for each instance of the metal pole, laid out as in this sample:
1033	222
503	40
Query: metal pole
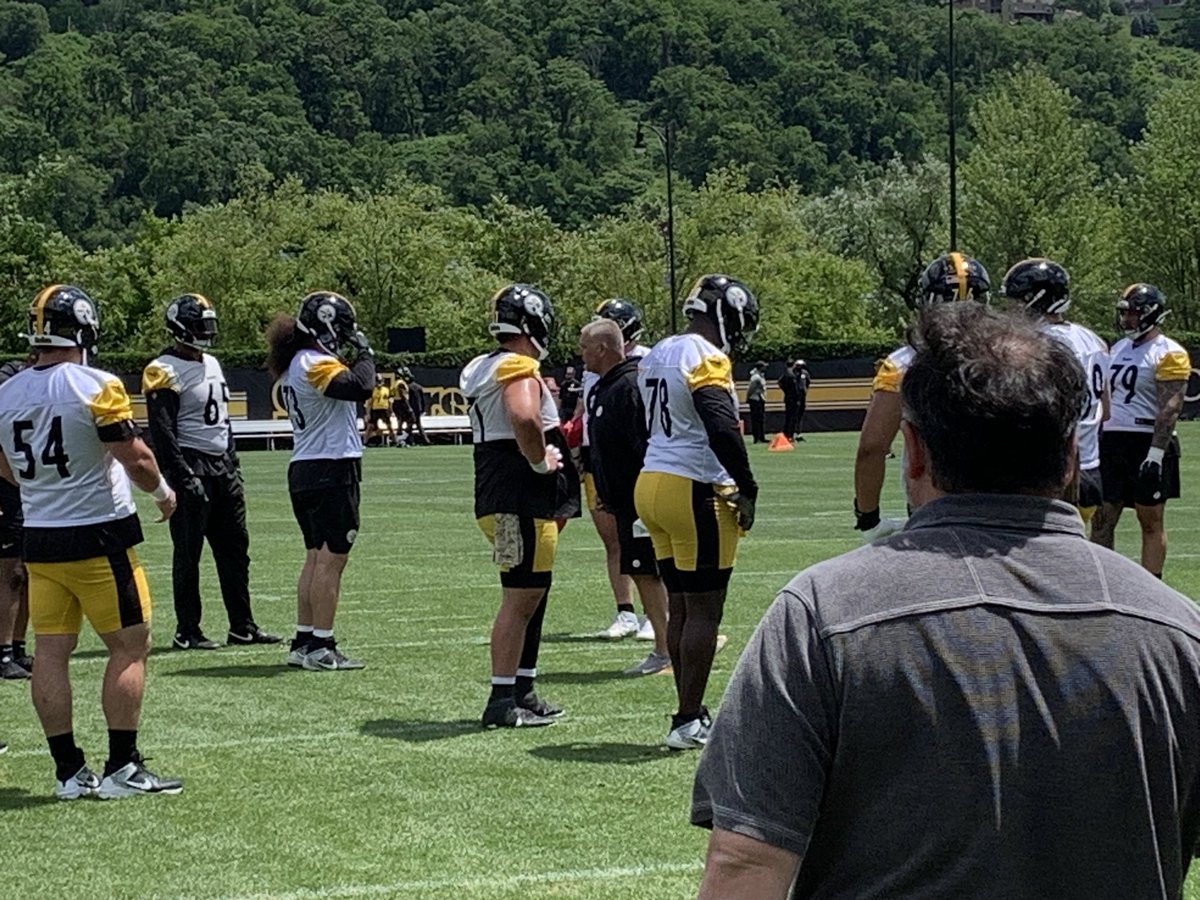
953	134
670	140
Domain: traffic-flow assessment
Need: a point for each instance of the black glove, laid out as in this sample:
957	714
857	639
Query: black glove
193	487
865	521
743	509
1150	483
360	344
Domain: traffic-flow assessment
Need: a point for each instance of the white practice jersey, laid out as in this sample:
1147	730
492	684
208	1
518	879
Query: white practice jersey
51	423
1092	354
667	376
483	381
203	421
1134	373
591	379
891	371
322	427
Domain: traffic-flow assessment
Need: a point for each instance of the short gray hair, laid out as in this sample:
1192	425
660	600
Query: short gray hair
606	333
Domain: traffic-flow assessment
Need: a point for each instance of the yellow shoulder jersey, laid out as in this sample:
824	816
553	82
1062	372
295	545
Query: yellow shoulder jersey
674	368
322	427
483	382
53	424
1134	373
203	421
891	371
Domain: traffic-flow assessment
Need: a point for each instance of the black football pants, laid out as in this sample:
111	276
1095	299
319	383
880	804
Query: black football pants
222	519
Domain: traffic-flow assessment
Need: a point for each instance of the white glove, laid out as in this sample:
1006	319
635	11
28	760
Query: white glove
882	530
552	462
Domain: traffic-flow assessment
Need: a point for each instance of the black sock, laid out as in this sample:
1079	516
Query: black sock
501	692
523	686
625	607
122	747
18	649
68	759
1157	575
533	636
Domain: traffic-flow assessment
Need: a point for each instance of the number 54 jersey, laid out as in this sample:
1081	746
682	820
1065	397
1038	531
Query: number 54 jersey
53	422
667	375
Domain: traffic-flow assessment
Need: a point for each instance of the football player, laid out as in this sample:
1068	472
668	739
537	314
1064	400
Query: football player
1041	288
379	414
15	663
629	319
949	278
523	493
1139	451
187	403
71	444
322	393
696	493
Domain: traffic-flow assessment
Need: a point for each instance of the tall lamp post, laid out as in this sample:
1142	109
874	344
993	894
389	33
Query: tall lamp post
953	133
666	138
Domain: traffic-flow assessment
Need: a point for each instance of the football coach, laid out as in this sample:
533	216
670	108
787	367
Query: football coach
982	705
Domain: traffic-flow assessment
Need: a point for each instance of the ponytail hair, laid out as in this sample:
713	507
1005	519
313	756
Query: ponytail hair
284	341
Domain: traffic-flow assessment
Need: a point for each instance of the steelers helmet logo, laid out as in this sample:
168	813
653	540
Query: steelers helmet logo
173	312
326	313
736	297
533	304
85	313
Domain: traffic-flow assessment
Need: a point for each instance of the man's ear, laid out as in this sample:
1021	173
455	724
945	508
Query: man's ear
916	456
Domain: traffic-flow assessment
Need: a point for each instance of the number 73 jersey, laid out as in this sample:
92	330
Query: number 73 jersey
1134	373
667	375
203	419
53	422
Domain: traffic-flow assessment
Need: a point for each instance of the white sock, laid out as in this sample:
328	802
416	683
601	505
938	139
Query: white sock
322	633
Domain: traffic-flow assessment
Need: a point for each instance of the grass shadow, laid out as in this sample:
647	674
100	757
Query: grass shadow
602	753
418	732
564	637
580	677
268	670
19	798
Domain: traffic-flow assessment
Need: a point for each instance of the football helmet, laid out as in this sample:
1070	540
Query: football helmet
192	321
729	305
63	315
1150	304
950	277
1040	286
521	309
625	313
328	318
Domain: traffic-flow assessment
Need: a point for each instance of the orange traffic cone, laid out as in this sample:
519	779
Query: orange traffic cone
780	444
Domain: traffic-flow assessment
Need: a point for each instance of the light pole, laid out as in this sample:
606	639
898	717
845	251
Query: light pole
666	137
953	134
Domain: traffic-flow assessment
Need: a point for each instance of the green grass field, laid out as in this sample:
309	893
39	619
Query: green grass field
379	782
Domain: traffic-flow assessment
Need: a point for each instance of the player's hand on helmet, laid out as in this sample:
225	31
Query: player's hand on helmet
1150	476
743	506
194	488
166	506
551	462
361	345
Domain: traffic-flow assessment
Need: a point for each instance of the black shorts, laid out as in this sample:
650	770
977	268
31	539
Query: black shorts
1091	488
328	517
12	521
403	412
380	415
1121	456
637	550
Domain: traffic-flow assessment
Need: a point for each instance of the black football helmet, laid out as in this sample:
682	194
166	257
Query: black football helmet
1150	304
521	309
729	305
1041	287
951	277
328	318
192	321
63	315
625	313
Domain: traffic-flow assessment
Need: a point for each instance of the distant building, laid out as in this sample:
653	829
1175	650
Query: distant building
1016	10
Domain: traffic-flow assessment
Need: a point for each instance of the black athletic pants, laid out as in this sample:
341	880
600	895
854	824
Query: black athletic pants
758	420
222	519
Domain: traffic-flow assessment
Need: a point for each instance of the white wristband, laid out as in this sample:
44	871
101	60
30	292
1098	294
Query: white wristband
1155	455
163	491
541	467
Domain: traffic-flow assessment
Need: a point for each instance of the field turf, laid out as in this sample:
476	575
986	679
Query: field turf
379	782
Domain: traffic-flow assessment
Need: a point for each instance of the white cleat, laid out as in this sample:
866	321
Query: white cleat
624	625
691	735
645	631
83	783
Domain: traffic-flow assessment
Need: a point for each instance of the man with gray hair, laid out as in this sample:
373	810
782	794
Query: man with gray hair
982	705
616	420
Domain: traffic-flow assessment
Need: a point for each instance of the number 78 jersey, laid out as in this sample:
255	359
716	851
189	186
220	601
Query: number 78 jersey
53	422
667	375
1134	373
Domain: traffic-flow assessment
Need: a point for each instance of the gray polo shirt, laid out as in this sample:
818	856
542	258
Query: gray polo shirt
984	705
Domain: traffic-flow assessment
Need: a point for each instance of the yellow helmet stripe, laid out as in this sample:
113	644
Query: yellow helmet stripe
39	307
960	269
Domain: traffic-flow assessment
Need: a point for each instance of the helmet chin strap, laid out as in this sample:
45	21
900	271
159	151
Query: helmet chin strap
542	351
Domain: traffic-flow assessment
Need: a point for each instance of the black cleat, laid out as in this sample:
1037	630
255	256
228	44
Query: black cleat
11	669
538	706
252	634
506	714
194	642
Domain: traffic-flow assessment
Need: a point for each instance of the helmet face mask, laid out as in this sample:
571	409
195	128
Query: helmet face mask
524	310
952	277
192	321
1038	287
625	313
63	316
328	318
1148	302
730	306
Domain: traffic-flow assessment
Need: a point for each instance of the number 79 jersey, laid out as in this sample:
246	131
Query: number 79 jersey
1134	373
667	375
53	422
203	422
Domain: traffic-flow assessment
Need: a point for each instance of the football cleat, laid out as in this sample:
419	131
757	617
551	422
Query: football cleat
651	665
691	735
252	634
507	714
538	706
133	780
329	659
193	642
645	631
624	625
83	783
